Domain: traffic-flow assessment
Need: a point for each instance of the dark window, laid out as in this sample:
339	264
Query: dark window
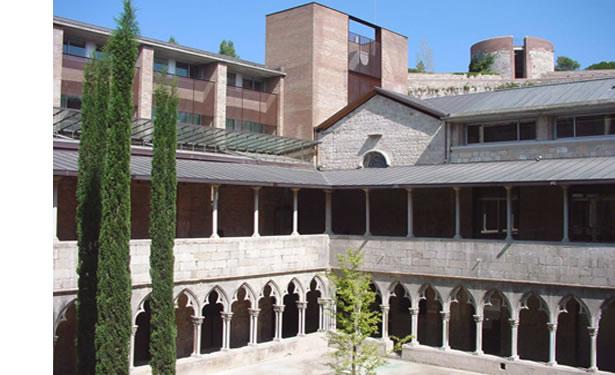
527	130
473	134
189	118
491	213
610	124
231	79
72	102
374	159
589	125
161	65
74	48
564	127
500	133
519	64
253	84
232	124
182	69
592	215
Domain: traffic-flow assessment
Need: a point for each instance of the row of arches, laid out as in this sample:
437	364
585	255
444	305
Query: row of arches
528	329
216	323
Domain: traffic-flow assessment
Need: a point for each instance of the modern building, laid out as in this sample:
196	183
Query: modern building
486	220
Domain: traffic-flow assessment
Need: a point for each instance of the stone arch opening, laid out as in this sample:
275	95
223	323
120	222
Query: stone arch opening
375	159
290	319
496	324
312	312
211	330
184	311
142	336
65	341
430	318
240	322
266	317
375	307
533	340
462	329
606	337
400	320
572	337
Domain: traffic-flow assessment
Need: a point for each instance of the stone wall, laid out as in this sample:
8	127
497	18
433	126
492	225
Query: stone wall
405	136
58	41
430	85
145	85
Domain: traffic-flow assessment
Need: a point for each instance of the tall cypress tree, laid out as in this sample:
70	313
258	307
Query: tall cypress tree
113	324
162	233
92	147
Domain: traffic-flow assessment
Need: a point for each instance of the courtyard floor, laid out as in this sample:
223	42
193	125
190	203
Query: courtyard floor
314	363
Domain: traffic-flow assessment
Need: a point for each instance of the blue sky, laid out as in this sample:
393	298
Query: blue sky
581	29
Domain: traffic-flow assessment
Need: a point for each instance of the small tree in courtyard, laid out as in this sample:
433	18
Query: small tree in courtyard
162	233
355	321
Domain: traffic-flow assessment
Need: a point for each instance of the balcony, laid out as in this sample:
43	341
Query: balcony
255	110
196	98
364	55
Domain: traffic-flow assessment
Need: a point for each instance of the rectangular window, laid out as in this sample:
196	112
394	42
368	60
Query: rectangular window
504	132
592	214
473	133
161	65
610	124
500	133
189	118
74	48
72	102
585	126
253	84
564	127
589	125
231	79
491	213
232	124
527	130
182	69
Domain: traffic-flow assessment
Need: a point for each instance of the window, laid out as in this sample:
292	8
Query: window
189	118
584	126
74	48
161	65
182	69
231	79
374	159
592	215
246	126
501	132
490	213
253	84
72	102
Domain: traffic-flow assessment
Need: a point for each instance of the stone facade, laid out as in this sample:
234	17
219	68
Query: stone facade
502	50
538	57
145	77
219	76
58	39
405	136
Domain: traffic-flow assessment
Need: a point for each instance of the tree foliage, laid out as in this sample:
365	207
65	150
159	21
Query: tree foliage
602	65
162	233
172	39
565	63
481	63
92	145
228	48
355	321
113	327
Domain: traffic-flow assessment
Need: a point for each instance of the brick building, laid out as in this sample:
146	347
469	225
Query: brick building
486	220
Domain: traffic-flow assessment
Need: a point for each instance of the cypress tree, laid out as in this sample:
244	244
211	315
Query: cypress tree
91	148
113	326
162	234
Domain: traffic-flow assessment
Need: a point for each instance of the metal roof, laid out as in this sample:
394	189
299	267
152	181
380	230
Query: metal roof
525	99
554	171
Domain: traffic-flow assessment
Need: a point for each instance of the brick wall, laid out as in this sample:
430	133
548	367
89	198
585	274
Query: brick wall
394	61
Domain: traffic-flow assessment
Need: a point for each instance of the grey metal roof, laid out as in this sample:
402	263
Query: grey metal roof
559	171
544	97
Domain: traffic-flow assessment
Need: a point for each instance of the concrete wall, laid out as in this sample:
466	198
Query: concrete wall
58	41
145	85
394	52
408	137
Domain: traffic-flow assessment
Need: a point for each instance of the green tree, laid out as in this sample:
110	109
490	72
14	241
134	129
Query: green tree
355	321
113	326
92	145
481	63
162	233
420	66
172	39
566	63
228	48
602	65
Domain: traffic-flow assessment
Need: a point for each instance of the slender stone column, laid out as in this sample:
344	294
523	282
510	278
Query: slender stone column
132	346
256	194
226	330
457	214
514	330
253	326
328	226
410	212
197	322
565	213
385	320
552	332
323	323
295	212
478	320
279	311
301	306
55	210
445	318
508	213
214	210
414	314
367	232
593	334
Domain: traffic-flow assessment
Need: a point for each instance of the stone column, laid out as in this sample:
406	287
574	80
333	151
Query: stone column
253	326
55	209
410	210
508	213
219	76
226	330
197	322
214	210
552	332
295	212
457	214
367	232
58	56
131	357
145	78
478	320
414	315
323	314
279	311
385	321
301	306
328	226
445	318
593	334
565	213
514	329
256	193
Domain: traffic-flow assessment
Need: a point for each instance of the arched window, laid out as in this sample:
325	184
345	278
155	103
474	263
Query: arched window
374	159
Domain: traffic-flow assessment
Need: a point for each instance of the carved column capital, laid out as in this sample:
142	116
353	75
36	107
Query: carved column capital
478	318
196	320
278	308
413	310
514	323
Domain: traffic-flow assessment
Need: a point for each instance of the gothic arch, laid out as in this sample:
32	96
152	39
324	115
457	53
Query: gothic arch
275	291
321	286
455	294
250	295
299	289
222	298
393	286
140	308
193	301
61	317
